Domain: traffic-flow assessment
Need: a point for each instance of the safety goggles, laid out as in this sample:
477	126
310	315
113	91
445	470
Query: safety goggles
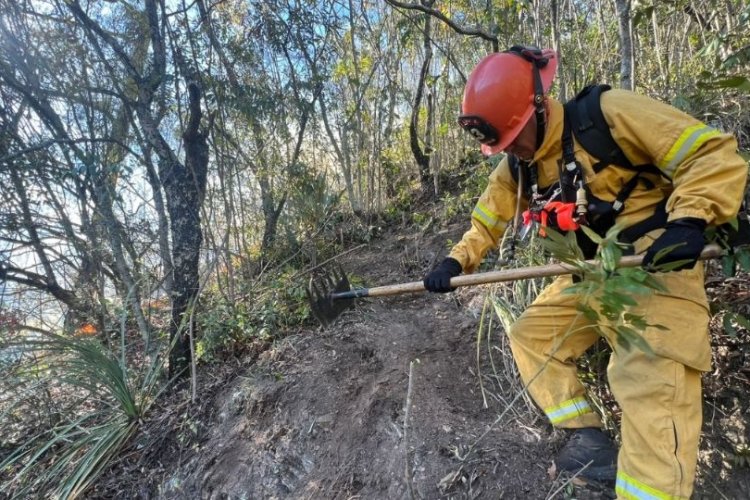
479	129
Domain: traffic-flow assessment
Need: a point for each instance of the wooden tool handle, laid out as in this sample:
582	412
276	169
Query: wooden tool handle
709	252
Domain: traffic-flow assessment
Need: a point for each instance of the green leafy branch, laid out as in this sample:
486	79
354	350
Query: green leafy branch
607	293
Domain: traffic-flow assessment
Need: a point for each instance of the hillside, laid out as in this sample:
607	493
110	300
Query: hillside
321	413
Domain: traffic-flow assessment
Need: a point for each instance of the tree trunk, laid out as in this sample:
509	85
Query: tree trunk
271	214
186	188
555	16
422	159
625	29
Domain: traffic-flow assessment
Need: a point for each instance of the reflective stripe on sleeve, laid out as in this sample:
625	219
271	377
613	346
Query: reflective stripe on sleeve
488	218
691	139
632	489
569	409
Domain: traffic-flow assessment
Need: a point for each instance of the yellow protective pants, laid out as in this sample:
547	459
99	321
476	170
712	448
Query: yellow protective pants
660	396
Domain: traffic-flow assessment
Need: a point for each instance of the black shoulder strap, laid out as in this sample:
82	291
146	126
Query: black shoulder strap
592	130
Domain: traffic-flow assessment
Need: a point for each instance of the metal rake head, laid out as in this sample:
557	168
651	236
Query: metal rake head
321	293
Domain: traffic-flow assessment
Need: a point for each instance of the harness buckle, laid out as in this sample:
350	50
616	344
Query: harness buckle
551	213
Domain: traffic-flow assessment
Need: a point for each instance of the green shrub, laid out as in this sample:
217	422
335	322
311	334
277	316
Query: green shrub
262	314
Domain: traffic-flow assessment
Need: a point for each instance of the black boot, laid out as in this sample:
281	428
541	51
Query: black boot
593	447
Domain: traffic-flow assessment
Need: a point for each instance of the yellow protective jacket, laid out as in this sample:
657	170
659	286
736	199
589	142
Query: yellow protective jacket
704	177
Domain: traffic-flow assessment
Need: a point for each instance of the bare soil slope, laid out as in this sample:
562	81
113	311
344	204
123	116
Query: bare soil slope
322	414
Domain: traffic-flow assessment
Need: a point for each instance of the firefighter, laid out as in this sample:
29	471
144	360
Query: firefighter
692	176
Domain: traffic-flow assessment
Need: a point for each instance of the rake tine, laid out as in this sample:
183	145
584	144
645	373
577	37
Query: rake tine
341	274
337	276
327	284
343	280
312	296
318	303
311	293
321	291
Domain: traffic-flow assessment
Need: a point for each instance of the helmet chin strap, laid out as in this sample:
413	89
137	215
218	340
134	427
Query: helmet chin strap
537	60
541	126
539	111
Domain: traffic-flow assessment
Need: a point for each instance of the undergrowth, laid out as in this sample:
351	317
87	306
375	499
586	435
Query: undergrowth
93	402
227	324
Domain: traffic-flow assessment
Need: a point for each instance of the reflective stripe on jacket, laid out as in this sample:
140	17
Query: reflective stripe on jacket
703	176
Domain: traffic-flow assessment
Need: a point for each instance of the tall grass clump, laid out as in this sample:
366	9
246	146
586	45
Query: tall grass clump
91	406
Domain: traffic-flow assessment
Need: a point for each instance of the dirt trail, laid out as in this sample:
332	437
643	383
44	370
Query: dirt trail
322	414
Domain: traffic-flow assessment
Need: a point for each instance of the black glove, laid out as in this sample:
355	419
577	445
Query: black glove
439	279
684	237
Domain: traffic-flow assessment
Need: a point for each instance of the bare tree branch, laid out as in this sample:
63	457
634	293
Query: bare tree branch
455	27
46	144
39	282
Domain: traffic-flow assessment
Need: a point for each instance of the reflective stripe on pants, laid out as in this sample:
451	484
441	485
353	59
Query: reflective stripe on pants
660	395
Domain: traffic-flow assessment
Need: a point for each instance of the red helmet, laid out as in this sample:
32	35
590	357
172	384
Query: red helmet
503	91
